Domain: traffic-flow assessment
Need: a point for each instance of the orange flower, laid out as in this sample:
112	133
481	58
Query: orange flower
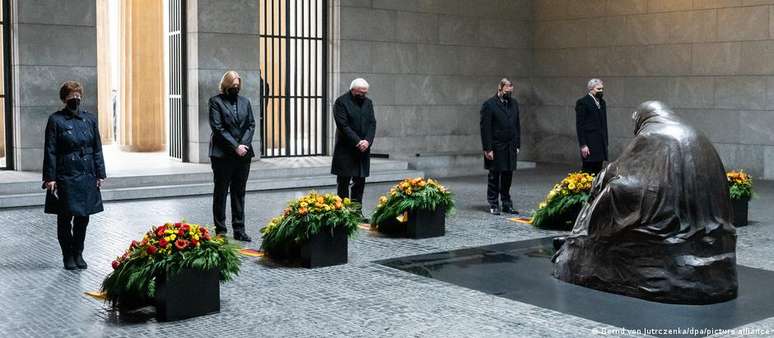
302	211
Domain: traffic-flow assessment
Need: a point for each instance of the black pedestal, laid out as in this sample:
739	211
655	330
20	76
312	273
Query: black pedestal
421	224
426	223
325	249
187	294
322	249
740	211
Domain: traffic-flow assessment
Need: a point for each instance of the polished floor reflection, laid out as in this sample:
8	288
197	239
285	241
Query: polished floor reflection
521	271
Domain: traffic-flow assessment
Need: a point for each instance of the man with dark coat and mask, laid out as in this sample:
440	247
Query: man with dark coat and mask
501	140
591	127
233	126
73	172
353	113
657	221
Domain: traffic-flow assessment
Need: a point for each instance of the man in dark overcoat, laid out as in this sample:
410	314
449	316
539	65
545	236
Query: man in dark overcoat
501	141
591	127
353	113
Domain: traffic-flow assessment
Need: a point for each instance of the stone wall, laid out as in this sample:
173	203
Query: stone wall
711	61
430	64
47	50
221	36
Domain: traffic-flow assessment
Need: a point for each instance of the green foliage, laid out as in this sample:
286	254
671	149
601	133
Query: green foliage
740	192
307	216
560	212
133	280
739	185
413	194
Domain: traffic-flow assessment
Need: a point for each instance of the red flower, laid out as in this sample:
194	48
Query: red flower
185	227
181	244
134	245
181	232
152	250
163	243
115	264
177	225
206	236
194	242
160	231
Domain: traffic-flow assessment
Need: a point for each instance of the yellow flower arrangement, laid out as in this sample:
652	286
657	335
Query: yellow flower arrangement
412	193
563	200
739	184
307	215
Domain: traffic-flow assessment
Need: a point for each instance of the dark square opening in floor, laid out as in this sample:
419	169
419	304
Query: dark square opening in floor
521	271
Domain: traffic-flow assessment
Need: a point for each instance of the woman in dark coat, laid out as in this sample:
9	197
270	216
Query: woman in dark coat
73	172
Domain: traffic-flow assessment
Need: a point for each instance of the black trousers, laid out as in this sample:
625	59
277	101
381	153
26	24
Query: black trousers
592	167
230	176
71	233
357	184
499	185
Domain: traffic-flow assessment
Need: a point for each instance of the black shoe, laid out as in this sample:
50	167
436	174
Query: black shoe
241	236
79	262
510	210
69	262
494	210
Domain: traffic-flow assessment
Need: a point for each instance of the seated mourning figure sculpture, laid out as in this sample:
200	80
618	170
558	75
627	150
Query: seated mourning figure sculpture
656	225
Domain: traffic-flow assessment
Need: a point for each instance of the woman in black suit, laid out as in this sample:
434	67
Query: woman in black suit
73	172
233	125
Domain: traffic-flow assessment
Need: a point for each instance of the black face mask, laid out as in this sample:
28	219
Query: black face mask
73	105
359	98
232	93
599	95
507	95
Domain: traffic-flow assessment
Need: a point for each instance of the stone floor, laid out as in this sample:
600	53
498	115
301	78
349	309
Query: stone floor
361	298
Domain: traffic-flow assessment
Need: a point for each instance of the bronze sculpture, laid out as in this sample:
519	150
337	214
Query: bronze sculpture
657	223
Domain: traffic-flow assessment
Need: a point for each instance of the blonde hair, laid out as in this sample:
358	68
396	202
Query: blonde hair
503	82
228	79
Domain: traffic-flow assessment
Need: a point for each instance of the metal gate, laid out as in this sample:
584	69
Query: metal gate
6	126
293	45
178	121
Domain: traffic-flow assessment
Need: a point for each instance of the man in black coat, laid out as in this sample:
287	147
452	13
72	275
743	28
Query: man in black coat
501	140
591	127
233	125
353	113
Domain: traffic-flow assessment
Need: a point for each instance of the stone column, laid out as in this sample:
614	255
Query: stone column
104	75
142	83
52	42
221	36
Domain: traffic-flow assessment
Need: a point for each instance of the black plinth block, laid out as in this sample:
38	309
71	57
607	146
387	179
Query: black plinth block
325	248
421	224
522	270
187	294
740	211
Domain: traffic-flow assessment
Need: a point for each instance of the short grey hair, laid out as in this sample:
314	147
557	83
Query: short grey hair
358	83
593	83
